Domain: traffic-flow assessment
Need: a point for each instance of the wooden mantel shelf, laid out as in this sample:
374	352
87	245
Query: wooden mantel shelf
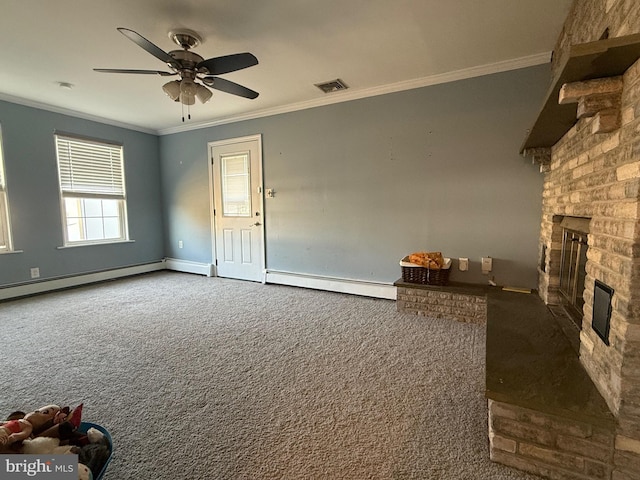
586	61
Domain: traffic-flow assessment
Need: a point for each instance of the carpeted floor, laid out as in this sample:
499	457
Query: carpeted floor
208	378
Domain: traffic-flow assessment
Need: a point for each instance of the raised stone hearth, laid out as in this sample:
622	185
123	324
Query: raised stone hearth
545	414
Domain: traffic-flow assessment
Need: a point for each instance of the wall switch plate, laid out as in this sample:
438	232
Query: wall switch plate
487	264
463	264
180	244
35	272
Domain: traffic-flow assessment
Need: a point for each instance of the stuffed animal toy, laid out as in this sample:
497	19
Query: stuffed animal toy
45	445
63	425
14	431
19	429
50	445
84	473
43	431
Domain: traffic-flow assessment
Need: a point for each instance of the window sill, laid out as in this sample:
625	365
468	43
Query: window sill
9	252
94	244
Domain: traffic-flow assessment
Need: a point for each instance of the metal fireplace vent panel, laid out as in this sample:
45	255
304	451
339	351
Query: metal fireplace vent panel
600	322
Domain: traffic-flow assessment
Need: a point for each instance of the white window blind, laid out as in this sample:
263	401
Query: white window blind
88	167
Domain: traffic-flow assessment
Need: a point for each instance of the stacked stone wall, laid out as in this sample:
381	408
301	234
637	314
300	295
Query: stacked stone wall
440	303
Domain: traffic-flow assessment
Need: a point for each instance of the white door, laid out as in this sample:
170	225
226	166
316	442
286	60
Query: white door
236	172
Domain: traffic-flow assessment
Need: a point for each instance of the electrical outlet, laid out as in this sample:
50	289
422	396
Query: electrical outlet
179	243
35	272
463	264
487	264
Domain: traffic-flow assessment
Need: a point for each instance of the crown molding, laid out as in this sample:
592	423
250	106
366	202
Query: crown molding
337	97
74	113
348	95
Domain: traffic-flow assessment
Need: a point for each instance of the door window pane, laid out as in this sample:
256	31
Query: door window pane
236	181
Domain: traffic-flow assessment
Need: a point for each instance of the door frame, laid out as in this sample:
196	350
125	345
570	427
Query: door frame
230	141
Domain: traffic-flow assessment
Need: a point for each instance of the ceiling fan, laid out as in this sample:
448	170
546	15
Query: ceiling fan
194	72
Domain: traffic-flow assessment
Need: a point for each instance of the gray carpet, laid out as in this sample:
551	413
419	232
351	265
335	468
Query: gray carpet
208	378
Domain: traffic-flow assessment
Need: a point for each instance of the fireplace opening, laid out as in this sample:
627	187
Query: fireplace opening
573	262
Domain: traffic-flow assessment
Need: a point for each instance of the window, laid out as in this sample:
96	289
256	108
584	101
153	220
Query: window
92	189
5	233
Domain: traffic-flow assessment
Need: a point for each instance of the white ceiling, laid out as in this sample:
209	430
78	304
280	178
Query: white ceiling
374	46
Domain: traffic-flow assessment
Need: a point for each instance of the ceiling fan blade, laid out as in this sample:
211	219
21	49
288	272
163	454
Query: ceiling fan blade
229	87
150	47
228	63
142	72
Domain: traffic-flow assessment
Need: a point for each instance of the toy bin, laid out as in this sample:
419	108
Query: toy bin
84	428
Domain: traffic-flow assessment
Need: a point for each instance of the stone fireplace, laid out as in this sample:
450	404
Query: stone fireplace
597	176
590	159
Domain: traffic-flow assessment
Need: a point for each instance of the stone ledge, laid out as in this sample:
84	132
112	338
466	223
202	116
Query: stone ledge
531	364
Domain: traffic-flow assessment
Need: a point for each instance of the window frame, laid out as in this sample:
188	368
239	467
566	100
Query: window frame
6	243
93	185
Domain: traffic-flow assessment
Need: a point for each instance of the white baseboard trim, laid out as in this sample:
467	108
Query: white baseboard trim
316	282
331	284
187	266
42	286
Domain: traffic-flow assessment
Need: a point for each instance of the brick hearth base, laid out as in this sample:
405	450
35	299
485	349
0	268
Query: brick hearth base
549	445
461	302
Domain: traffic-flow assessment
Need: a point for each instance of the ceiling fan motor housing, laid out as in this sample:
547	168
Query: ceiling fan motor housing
185	39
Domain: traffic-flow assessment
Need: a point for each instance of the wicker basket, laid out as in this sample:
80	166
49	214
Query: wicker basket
412	273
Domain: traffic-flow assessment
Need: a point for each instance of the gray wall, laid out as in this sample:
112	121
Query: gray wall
32	183
362	183
359	184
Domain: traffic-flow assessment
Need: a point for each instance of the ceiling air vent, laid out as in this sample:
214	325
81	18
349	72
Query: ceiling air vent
332	86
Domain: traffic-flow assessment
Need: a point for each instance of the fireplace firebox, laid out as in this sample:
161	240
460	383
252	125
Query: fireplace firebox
573	266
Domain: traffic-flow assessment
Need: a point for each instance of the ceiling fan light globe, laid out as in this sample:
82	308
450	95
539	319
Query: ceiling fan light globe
188	87
172	89
187	99
203	93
